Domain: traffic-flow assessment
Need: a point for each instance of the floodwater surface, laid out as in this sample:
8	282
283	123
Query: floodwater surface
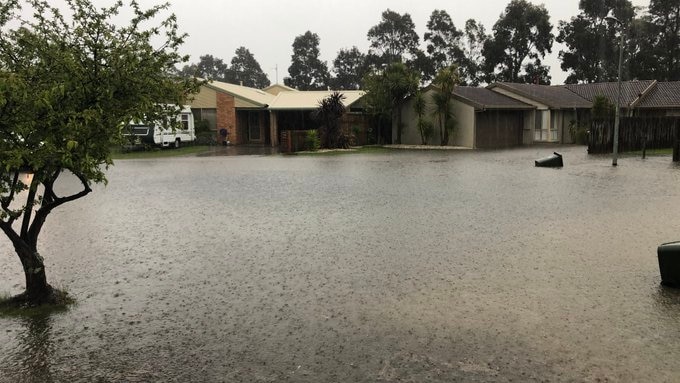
391	267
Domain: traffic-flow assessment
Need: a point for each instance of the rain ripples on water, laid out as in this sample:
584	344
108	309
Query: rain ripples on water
404	266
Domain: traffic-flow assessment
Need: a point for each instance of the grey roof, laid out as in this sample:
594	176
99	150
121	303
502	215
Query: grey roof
482	98
630	90
663	95
556	97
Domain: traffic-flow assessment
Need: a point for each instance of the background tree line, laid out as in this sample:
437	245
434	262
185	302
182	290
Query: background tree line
513	50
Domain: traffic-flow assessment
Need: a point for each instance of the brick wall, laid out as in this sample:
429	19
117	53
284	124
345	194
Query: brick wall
226	117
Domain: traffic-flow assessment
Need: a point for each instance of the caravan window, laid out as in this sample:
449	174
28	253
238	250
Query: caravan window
185	121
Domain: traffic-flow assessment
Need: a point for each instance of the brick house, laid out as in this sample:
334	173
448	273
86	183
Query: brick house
249	116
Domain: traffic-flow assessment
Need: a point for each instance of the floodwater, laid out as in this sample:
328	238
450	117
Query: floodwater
399	267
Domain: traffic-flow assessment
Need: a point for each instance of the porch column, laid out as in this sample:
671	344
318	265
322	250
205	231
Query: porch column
273	128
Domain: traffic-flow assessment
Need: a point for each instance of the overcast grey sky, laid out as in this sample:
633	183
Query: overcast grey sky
268	27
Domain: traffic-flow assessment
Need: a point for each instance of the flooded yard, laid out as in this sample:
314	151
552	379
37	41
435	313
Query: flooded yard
392	267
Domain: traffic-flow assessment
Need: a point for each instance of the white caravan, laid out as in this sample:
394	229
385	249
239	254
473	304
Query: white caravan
155	134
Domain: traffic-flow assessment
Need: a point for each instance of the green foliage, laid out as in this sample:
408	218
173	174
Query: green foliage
445	82
328	114
592	43
69	79
471	63
603	108
578	132
522	32
443	40
424	125
209	68
246	70
312	141
307	71
349	67
388	90
393	39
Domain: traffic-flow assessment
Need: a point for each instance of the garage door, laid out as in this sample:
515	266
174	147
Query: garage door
498	129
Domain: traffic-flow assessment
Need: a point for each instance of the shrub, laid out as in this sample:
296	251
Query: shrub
312	141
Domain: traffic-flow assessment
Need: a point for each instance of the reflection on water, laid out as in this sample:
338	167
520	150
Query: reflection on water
32	350
428	266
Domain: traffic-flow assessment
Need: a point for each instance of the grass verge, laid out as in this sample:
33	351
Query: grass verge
118	154
14	306
339	152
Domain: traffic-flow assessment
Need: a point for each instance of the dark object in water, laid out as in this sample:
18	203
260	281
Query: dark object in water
554	161
669	263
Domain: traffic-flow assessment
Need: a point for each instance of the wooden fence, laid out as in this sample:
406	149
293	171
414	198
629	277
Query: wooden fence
635	133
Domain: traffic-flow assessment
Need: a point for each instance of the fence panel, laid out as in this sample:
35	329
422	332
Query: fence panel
635	133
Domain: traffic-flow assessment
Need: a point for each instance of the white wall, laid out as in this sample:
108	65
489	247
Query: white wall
463	134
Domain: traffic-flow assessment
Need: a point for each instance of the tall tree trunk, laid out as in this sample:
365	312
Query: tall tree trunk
37	288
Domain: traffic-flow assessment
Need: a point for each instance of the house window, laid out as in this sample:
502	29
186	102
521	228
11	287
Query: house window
207	114
541	132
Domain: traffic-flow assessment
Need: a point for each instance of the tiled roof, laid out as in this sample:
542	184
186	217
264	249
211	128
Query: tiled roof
310	99
482	98
556	97
630	90
663	95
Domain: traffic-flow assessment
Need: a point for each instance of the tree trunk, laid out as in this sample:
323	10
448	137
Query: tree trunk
38	291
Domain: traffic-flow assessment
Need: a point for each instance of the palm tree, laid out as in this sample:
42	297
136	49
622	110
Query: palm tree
401	83
445	82
424	125
329	112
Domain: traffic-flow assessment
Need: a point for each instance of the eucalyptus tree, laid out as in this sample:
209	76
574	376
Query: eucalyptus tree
443	40
349	68
246	70
471	64
523	32
393	39
208	67
307	71
70	78
592	41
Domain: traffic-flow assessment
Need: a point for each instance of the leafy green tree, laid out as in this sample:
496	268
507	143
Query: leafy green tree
349	68
209	68
377	104
536	73
393	39
522	32
307	71
69	80
592	41
663	36
387	92
423	124
401	83
328	114
245	69
445	81
443	40
603	108
471	64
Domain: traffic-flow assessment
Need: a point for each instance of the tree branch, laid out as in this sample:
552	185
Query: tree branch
46	209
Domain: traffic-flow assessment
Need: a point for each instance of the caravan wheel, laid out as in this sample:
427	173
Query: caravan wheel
177	141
